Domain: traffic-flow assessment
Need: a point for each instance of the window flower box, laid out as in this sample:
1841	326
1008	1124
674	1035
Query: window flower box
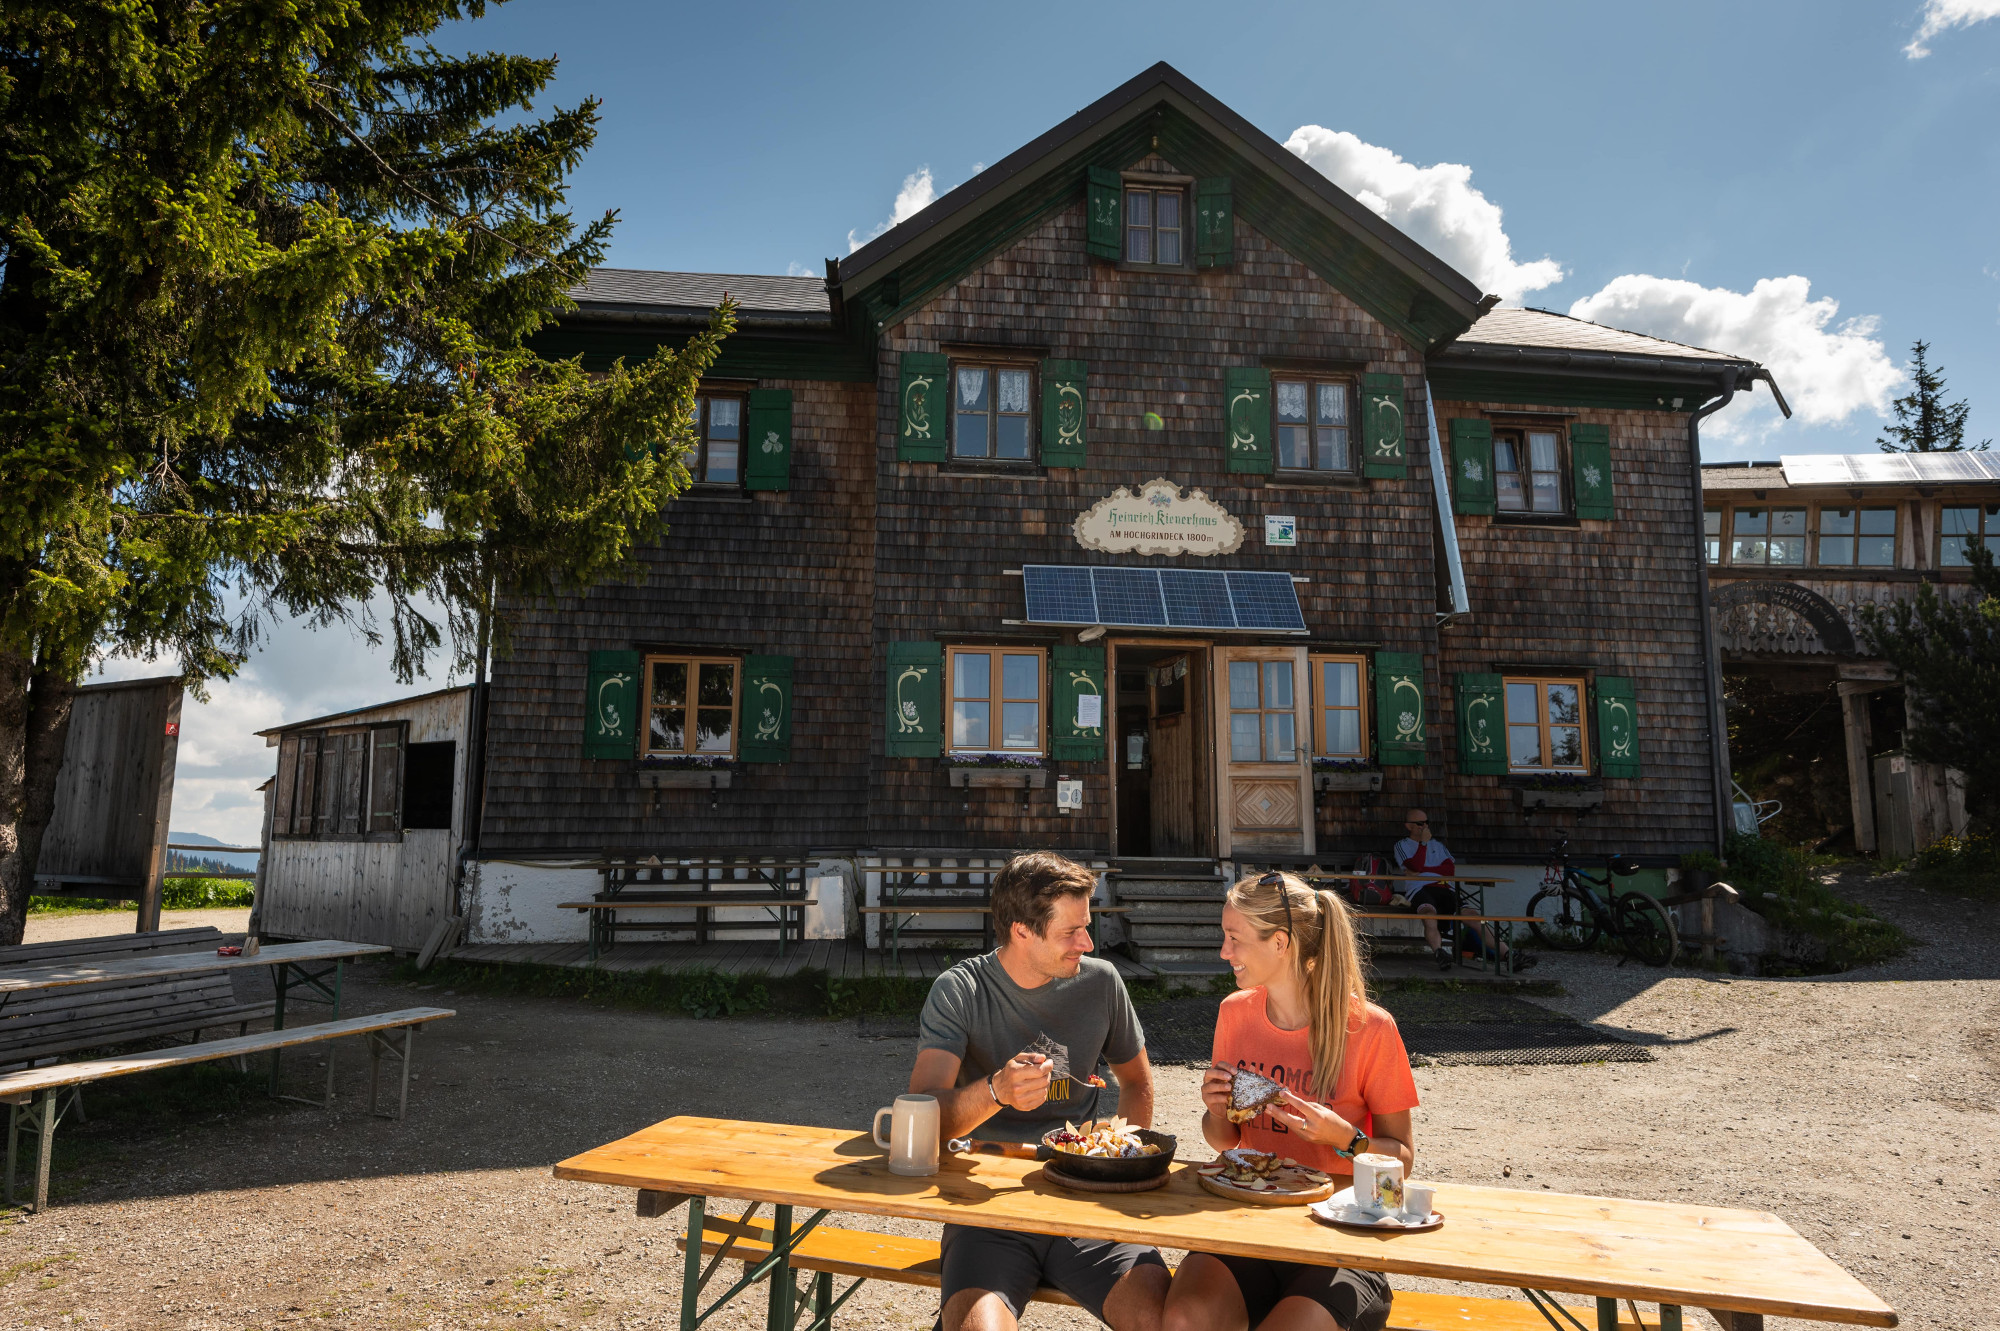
685	778
996	771
1339	780
1568	795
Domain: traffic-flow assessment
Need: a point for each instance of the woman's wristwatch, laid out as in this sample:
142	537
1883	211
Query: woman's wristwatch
1354	1147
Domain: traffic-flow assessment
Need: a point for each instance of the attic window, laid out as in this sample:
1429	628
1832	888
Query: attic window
1155	222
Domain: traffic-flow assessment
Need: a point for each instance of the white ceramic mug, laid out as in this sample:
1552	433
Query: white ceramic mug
912	1142
1418	1201
1378	1183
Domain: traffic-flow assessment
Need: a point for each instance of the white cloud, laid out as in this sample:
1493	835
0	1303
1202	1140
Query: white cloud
1941	16
797	269
1435	205
916	194
1829	371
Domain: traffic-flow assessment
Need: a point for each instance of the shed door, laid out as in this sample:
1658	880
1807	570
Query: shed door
1263	780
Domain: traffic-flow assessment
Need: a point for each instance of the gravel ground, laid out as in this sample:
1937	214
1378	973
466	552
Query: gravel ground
1838	1103
92	924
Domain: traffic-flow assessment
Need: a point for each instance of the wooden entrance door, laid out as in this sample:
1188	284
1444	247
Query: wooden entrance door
1164	805
1263	724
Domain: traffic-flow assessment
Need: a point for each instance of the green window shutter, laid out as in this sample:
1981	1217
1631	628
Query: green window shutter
916	700
1590	465
1482	724
767	710
1617	727
1065	400
769	440
1382	425
1106	205
1079	673
1246	407
611	710
1399	709
921	399
1472	466
1214	223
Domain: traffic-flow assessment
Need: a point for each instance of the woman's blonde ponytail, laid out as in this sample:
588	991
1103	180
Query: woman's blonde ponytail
1326	954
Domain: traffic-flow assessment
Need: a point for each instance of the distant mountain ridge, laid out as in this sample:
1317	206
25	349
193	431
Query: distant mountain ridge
194	859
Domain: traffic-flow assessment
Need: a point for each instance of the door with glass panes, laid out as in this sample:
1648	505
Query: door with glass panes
1264	783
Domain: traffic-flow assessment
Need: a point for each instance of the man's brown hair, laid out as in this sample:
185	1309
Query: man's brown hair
1026	891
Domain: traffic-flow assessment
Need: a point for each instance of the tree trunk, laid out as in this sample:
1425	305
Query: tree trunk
51	703
16	882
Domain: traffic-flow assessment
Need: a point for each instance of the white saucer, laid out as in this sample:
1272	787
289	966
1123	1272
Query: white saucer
1340	1209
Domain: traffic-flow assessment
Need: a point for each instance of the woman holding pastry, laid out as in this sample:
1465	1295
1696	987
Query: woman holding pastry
1300	1018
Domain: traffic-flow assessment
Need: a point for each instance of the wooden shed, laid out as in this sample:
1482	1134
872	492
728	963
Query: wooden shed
367	816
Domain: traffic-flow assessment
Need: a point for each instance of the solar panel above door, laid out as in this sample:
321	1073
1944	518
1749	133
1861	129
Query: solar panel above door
1154	598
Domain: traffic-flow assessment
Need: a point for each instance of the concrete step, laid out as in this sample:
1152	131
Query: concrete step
1191	935
1167	962
1167	912
1153	889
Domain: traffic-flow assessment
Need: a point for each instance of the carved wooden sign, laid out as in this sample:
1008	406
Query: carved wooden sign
1158	520
1779	617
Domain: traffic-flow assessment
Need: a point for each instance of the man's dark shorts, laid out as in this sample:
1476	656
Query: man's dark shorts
1440	897
1014	1265
1357	1300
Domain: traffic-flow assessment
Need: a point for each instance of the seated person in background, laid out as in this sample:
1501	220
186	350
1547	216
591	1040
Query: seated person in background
1421	853
979	1037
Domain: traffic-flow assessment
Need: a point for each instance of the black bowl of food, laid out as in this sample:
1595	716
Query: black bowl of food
1098	1153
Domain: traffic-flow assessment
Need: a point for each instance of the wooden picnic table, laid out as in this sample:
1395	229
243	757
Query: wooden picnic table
1729	1261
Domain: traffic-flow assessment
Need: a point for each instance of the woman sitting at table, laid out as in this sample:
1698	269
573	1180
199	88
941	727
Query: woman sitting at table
1301	1017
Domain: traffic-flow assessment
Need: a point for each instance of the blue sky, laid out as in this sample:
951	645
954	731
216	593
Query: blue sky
1785	181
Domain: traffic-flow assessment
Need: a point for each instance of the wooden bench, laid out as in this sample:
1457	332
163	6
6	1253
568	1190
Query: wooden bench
41	1024
36	1101
605	927
904	1260
948	906
1411	916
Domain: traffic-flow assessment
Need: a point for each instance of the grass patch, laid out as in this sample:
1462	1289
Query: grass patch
175	894
1967	866
1824	933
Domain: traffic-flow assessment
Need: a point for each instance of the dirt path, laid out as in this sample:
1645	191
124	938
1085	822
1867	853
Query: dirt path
1836	1103
96	923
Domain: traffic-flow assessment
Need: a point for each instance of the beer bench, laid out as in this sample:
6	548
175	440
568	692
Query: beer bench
604	925
38	1097
904	1260
1503	965
960	906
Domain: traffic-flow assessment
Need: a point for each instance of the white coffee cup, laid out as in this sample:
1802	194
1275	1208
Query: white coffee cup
1378	1183
912	1142
1417	1202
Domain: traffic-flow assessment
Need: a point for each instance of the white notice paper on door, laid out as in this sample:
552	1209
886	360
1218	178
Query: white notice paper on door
1089	710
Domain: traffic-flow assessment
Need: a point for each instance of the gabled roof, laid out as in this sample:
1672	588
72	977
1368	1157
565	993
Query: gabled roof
1393	277
638	294
1546	328
330	717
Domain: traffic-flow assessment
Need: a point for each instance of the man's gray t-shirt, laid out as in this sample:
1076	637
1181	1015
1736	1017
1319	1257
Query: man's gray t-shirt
976	1012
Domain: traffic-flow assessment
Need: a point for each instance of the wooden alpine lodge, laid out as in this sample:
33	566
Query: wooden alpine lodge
1147	498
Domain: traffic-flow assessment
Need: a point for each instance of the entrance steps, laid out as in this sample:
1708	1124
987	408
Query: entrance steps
1174	915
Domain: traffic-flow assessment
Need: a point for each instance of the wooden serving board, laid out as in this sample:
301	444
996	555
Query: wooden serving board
1285	1197
1062	1180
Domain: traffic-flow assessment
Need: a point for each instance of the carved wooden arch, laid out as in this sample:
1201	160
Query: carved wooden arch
1826	620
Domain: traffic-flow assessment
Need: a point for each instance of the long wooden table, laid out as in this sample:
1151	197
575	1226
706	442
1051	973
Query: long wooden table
1731	1262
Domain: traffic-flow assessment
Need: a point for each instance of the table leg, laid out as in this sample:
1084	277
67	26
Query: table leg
1607	1314
49	1105
1670	1317
823	1301
13	1141
779	1317
691	1265
281	981
1730	1321
339	969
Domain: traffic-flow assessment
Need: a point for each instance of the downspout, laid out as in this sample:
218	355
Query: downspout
1440	483
1718	721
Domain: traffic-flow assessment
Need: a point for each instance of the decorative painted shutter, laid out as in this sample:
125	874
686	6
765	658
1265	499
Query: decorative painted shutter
1617	727
1472	488
611	710
1065	400
915	721
1482	724
1399	709
1105	237
1214	223
1079	673
285	785
385	780
767	710
1590	465
1382	425
769	440
1246	407
921	409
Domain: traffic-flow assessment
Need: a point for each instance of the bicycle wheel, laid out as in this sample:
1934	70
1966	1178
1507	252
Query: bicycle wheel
1645	929
1561	921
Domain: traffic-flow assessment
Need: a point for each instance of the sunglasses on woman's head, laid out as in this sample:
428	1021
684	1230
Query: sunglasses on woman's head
1277	880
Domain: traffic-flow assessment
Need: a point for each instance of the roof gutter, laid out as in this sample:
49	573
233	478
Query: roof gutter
1441	487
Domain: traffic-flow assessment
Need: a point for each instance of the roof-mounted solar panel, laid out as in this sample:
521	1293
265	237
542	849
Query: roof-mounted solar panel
1151	598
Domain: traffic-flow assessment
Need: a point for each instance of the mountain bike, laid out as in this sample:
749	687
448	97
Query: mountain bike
1575	909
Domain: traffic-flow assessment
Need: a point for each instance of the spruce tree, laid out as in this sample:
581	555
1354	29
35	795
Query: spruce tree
1925	422
268	270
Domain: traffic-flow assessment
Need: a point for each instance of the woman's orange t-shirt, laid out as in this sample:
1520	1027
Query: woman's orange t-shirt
1374	1075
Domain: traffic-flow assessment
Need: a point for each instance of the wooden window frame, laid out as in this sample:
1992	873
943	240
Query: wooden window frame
1716	545
1517	432
993	364
1541	682
1313	381
994	699
1263	709
1984	533
698	459
1807	534
1817	536
1155	185
693	660
1320	707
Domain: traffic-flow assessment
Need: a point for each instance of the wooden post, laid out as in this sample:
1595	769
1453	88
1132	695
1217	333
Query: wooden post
1708	931
1860	789
156	860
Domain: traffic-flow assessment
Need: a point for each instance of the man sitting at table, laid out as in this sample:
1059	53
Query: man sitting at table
990	1032
1420	853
